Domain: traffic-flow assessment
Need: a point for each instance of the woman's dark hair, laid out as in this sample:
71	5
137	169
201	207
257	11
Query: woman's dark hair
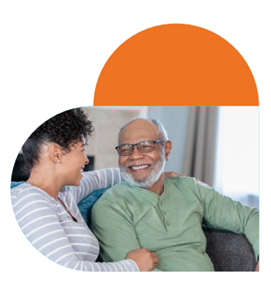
64	129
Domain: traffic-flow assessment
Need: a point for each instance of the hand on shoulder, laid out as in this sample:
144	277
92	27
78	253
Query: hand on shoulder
173	173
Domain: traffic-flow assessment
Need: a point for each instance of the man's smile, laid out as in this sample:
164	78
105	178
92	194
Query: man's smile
138	167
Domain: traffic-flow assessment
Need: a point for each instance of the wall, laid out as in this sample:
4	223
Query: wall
107	122
174	119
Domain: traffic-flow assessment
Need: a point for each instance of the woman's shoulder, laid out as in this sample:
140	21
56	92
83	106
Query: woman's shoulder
25	192
17	188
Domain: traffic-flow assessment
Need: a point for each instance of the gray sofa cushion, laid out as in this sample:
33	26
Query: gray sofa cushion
229	251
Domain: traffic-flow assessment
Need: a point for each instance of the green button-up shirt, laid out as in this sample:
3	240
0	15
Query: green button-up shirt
127	217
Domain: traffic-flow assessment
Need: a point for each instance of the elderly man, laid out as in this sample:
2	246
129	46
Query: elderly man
164	215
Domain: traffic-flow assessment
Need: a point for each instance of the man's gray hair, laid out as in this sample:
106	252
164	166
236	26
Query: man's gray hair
160	128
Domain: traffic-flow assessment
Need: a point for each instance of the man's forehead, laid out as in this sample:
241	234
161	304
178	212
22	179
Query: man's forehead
138	130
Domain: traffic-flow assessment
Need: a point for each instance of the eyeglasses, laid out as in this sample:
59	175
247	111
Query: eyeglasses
143	147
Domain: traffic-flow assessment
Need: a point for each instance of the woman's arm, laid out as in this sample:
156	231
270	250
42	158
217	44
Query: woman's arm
93	180
98	179
39	221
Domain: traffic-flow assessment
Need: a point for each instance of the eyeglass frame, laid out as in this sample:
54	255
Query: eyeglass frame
136	144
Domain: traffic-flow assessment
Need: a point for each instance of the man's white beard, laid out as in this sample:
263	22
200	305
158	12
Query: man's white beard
148	181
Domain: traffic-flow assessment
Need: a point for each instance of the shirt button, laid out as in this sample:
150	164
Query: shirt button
168	223
164	212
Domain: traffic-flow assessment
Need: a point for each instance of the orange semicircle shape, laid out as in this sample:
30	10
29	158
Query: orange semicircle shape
176	64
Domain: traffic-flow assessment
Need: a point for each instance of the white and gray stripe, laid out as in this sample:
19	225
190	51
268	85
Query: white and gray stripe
48	226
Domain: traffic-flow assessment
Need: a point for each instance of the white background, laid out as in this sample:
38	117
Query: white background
51	55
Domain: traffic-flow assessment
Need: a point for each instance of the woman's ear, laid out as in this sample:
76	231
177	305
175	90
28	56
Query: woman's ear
168	148
55	153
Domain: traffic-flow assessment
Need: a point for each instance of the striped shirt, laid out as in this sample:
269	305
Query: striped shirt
51	230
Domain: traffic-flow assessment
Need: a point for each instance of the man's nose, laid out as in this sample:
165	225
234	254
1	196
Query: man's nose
136	154
86	161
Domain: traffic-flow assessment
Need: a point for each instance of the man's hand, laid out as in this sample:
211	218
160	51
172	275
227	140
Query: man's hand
257	267
145	260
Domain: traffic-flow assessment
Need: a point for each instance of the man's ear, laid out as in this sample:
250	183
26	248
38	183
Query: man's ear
55	153
168	148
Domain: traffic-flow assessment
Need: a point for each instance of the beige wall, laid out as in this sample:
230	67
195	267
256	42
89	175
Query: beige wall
102	143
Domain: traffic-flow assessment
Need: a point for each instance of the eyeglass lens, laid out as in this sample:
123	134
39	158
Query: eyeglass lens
143	147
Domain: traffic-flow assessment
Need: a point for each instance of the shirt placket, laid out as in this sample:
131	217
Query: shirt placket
163	212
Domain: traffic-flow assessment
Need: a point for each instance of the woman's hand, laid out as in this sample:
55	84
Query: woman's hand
172	173
145	260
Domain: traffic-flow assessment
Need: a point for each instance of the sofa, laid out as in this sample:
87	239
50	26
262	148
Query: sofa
228	251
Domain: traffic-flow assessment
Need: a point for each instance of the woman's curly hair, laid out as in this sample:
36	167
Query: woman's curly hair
64	129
